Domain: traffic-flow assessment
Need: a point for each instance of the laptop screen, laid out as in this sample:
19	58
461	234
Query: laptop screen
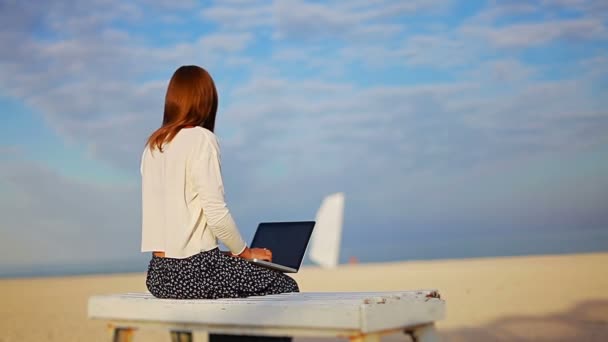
286	240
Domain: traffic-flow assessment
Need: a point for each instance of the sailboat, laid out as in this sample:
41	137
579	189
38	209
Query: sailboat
327	234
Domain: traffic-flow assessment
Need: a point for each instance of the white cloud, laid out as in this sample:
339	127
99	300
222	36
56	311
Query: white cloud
240	16
87	86
504	71
51	219
595	68
500	9
302	20
8	151
312	21
524	24
91	93
174	4
592	8
300	115
518	10
522	35
436	51
226	42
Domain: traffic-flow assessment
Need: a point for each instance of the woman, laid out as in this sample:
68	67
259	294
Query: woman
183	209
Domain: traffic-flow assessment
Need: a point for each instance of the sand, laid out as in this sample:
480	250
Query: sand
535	298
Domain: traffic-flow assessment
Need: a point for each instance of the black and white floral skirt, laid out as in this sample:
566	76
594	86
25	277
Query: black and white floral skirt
211	275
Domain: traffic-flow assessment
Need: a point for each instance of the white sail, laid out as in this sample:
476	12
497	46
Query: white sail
327	234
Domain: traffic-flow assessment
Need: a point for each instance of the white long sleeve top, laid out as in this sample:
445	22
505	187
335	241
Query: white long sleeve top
183	206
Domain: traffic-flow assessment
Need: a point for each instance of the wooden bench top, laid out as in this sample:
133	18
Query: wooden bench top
352	311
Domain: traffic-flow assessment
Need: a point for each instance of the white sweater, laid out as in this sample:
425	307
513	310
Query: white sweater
183	207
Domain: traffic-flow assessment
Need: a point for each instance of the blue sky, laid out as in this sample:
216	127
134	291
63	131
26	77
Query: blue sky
435	117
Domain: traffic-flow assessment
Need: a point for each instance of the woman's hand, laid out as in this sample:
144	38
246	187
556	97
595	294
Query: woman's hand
256	253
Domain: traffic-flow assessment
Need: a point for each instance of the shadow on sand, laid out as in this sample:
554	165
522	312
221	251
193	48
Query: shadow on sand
588	321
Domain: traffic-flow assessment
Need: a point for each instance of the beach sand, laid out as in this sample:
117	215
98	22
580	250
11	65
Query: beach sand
531	298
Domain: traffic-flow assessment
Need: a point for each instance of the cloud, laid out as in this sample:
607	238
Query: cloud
87	86
595	68
49	218
314	137
92	94
522	24
241	16
173	5
309	21
312	21
504	71
591	8
117	64
535	34
436	51
521	10
357	96
501	9
10	150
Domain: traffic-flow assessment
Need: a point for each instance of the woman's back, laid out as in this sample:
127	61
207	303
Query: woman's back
172	216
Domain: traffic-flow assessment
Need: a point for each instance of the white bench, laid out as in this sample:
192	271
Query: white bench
360	316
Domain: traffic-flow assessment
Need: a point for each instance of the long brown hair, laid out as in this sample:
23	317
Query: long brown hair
191	100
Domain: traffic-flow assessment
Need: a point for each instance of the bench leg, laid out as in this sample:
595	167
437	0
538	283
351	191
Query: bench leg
188	336
424	333
123	334
200	336
365	338
181	336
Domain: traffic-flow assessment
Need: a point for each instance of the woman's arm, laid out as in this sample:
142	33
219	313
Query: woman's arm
207	182
253	253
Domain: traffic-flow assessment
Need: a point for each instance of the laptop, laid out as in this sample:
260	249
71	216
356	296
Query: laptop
286	240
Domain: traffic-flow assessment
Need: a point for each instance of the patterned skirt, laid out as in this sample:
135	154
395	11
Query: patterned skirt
212	275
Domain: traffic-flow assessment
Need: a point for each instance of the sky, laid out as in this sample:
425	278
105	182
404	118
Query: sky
454	128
